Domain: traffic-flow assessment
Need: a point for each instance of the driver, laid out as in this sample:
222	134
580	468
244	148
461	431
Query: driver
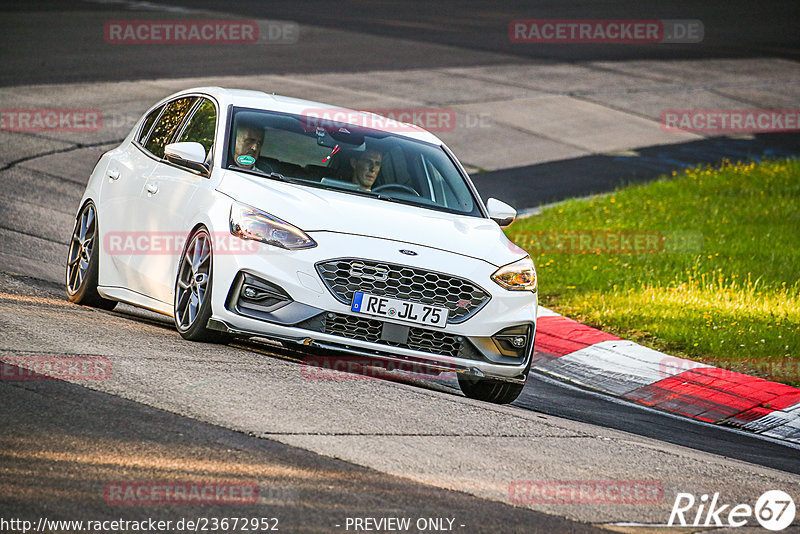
366	168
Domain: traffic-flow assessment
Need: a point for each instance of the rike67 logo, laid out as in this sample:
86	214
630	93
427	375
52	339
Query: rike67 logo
774	510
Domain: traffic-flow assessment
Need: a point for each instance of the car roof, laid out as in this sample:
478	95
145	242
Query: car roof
272	102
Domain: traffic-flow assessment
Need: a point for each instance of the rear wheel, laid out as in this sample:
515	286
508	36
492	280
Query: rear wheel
489	389
82	262
192	306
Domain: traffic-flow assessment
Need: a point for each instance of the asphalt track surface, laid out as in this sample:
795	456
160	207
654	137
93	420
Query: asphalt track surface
71	420
472	33
302	489
466	33
534	185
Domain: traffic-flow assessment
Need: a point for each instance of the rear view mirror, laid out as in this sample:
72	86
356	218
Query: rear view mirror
500	212
333	137
189	155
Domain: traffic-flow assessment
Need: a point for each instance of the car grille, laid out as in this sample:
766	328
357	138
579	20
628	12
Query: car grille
343	277
421	339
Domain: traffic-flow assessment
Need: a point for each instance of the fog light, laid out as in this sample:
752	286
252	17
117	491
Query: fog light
253	297
518	341
253	292
514	341
250	292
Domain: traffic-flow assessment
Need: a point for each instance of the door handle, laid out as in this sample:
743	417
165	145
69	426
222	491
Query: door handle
151	188
113	174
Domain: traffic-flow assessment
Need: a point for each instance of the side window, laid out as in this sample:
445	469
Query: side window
166	126
201	127
148	123
455	193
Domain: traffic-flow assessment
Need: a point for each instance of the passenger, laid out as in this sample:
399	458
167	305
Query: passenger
247	147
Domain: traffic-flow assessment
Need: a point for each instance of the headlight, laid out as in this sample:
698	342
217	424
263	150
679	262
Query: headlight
248	222
517	276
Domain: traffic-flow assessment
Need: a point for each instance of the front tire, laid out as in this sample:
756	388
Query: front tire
82	262
192	305
489	389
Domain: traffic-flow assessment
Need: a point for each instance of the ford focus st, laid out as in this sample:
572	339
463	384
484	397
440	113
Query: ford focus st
239	213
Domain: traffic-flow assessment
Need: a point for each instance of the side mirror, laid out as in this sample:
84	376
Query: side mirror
500	212
189	154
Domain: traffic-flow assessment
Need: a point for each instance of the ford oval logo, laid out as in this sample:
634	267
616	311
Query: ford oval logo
407	252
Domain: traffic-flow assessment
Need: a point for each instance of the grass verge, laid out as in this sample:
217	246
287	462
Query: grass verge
703	264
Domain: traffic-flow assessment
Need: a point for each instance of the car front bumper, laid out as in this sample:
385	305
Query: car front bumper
310	309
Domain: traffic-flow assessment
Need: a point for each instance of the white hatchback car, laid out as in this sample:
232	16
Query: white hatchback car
242	213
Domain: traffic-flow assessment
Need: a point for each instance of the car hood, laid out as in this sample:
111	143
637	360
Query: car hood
320	210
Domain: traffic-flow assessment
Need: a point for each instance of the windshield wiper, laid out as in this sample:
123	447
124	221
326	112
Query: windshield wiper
282	178
364	193
277	176
259	172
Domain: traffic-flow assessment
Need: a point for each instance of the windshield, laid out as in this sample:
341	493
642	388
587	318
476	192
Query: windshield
347	158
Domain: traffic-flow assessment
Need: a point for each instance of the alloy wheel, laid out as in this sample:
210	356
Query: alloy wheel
193	280
81	248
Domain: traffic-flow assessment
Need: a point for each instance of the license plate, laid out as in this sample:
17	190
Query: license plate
399	310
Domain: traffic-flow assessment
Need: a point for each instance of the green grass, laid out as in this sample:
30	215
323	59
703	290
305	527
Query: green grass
722	287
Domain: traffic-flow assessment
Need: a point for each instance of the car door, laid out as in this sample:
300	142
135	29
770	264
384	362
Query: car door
123	179
140	223
167	199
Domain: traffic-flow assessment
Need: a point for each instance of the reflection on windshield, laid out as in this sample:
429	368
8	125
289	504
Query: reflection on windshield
347	158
